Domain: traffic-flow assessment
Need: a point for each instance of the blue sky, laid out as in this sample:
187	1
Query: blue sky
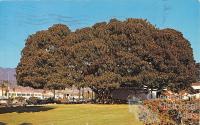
19	19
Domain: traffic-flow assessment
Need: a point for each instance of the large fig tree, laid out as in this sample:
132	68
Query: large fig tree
107	56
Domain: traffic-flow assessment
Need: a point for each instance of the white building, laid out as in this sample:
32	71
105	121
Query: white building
26	92
196	87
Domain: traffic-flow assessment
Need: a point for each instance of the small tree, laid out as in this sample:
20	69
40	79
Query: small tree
4	86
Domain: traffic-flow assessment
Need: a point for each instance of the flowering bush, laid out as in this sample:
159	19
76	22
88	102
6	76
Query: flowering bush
169	112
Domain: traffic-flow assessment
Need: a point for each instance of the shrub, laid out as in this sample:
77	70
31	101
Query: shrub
171	112
20	99
32	101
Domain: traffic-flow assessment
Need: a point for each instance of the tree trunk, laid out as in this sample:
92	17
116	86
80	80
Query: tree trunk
2	91
92	95
102	95
79	93
83	93
54	94
88	95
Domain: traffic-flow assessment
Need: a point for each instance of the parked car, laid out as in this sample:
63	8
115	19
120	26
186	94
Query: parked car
12	102
16	103
3	102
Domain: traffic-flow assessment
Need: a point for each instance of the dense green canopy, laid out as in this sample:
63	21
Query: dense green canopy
107	56
39	66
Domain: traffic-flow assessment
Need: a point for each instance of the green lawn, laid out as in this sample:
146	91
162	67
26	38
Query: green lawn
77	114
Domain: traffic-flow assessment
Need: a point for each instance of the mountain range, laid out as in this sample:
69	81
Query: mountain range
8	74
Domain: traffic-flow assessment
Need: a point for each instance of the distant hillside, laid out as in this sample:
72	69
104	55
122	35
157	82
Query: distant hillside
8	74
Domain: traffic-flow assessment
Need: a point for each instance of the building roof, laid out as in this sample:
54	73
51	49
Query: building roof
21	89
196	84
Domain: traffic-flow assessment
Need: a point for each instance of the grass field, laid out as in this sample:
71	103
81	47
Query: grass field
78	114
